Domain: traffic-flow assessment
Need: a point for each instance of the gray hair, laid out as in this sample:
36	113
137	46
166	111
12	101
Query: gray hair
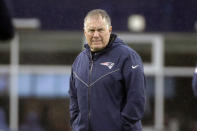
96	13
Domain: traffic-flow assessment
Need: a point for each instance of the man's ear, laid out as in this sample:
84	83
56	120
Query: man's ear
110	29
84	31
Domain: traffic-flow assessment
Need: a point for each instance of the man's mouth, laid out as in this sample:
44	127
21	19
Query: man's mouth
96	41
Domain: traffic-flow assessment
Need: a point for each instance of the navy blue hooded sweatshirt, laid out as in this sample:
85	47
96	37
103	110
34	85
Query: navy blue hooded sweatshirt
107	89
194	82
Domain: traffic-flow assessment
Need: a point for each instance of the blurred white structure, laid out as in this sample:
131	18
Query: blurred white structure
14	60
27	23
136	23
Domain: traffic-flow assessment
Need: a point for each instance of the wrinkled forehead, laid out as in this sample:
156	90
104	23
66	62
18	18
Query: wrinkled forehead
97	20
94	16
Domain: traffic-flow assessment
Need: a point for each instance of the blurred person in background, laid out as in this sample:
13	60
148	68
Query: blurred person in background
107	83
6	26
194	82
3	124
32	123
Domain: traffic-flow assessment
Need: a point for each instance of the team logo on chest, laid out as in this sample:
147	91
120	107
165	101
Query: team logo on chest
108	64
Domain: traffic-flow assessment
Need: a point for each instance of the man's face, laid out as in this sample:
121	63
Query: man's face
97	33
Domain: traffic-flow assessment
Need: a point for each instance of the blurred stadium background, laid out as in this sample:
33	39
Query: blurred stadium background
35	65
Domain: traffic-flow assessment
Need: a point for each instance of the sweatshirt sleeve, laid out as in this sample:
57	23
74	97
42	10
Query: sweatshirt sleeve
73	106
194	82
135	84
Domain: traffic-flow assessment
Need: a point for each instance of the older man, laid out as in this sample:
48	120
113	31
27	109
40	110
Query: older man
107	83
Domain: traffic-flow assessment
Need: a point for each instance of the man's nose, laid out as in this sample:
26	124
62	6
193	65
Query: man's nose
96	34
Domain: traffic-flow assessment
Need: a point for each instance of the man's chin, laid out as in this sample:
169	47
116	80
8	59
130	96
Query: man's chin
94	49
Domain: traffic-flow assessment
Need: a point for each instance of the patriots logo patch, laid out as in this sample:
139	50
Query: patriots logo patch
108	64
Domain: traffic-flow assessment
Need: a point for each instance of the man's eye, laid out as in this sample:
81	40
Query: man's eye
100	30
91	30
